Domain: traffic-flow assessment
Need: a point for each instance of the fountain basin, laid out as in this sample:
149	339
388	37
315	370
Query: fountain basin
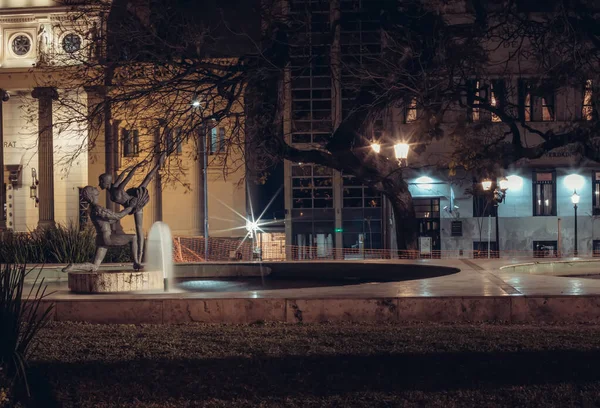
111	281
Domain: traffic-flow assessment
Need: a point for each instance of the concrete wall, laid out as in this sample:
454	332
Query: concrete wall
518	228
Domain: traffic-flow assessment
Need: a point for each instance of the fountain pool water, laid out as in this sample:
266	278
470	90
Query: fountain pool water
159	251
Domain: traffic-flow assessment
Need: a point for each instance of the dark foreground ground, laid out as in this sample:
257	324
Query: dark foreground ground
337	365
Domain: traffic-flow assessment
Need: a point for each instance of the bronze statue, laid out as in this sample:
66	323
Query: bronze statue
119	195
102	218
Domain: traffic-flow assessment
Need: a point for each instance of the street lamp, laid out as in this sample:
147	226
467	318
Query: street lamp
401	151
575	200
203	145
499	196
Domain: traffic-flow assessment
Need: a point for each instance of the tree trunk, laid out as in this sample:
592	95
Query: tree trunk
404	219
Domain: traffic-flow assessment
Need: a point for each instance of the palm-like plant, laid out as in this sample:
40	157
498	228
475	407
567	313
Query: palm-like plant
22	316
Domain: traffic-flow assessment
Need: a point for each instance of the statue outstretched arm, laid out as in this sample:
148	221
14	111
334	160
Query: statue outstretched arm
126	175
152	172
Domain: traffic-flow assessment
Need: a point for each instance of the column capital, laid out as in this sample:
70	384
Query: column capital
44	92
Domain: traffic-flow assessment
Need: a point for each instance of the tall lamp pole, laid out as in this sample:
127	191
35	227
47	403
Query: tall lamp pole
204	145
575	201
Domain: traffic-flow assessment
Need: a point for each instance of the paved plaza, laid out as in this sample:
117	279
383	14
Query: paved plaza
520	290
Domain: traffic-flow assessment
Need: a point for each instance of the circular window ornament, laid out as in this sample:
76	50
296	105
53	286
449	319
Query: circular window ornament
71	43
21	45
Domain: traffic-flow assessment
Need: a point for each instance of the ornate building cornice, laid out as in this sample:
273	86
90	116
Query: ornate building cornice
17	19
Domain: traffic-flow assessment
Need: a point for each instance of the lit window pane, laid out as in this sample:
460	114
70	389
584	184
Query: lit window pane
588	108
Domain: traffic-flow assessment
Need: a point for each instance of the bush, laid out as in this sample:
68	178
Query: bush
22	316
58	244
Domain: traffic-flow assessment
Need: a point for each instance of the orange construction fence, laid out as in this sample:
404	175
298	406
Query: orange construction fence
192	249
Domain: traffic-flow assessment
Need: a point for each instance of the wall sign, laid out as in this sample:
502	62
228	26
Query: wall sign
425	245
456	229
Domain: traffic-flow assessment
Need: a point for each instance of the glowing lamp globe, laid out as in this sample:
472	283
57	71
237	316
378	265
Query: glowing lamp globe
401	151
504	184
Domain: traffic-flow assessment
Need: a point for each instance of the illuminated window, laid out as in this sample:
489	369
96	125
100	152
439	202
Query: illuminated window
548	106
410	111
587	112
525	101
536	102
497	97
473	100
544	194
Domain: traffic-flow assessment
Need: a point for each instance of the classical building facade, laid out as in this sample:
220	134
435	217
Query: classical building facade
45	165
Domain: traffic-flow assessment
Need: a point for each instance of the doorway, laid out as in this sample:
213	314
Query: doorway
427	211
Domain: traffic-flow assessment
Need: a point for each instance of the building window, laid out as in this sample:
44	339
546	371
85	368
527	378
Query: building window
410	111
473	100
311	108
221	148
483	205
547	100
312	186
587	110
131	142
498	97
544	193
21	45
525	105
596	248
536	103
596	193
71	43
361	218
174	141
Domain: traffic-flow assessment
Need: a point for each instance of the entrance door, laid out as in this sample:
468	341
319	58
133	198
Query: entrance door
427	211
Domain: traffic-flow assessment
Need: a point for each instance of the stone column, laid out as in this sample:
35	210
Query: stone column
45	95
2	203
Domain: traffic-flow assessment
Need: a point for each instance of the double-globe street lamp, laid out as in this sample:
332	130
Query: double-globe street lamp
498	197
400	151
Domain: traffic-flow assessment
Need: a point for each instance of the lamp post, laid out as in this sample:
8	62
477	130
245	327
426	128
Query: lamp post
499	196
575	200
196	104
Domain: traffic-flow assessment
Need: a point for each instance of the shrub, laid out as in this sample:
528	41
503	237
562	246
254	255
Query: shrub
58	244
22	316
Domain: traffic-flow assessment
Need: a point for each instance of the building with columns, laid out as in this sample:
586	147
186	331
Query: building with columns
46	164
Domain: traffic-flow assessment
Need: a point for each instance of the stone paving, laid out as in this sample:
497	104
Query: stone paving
519	290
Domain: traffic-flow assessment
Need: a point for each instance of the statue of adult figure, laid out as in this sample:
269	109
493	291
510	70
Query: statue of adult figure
42	43
119	195
102	218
